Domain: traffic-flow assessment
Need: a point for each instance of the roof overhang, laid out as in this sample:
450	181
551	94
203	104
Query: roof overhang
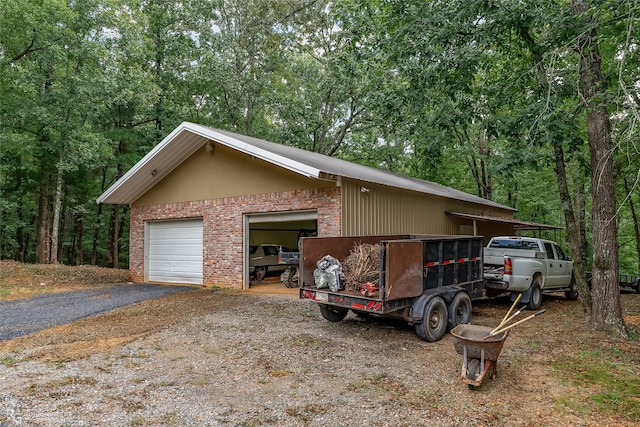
179	145
518	225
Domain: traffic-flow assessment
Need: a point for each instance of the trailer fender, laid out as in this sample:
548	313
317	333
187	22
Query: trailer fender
416	312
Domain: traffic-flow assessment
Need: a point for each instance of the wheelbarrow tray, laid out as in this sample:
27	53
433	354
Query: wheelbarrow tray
476	338
479	351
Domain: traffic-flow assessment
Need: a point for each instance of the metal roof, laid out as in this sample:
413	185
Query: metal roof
518	225
187	138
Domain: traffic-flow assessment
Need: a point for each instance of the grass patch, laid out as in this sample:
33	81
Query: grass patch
613	384
8	361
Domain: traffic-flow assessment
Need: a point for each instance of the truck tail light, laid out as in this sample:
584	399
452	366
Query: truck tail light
508	266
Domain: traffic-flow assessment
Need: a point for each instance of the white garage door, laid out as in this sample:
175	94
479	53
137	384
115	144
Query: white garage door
174	251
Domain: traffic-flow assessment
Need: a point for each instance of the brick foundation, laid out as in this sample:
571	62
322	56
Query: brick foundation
222	224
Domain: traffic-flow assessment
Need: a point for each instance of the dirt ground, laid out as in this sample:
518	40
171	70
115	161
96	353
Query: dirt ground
556	352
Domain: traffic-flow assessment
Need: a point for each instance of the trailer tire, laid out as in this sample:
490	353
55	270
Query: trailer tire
459	310
333	314
535	301
434	322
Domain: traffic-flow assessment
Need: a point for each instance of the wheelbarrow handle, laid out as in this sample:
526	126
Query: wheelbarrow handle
493	333
506	317
504	322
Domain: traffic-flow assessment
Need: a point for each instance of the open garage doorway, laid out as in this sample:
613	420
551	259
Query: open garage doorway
264	233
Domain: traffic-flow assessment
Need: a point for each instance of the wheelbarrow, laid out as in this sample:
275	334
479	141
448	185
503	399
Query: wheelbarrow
479	350
480	346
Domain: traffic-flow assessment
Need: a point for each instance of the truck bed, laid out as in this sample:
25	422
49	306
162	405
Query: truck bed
495	256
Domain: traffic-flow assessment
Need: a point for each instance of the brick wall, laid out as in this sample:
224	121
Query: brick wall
222	224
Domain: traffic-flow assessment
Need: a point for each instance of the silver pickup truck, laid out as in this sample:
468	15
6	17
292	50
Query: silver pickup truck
527	265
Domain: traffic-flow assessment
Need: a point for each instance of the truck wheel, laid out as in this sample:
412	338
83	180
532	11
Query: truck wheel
459	310
536	296
572	293
259	273
434	322
333	314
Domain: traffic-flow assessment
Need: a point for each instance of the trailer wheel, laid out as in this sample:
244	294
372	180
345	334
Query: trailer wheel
536	296
333	314
434	322
459	310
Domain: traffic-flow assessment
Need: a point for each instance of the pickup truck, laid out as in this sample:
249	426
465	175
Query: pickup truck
529	266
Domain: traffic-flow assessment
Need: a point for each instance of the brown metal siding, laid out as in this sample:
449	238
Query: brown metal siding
386	210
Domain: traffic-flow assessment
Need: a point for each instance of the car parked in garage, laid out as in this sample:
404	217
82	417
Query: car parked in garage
264	258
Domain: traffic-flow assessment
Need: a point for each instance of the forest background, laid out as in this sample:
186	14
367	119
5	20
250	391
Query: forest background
480	96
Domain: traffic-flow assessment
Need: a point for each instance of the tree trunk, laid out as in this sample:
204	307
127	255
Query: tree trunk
573	233
20	249
581	220
96	227
607	312
116	235
55	226
79	247
42	234
112	246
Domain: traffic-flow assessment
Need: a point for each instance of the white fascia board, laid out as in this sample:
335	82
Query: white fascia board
258	153
146	159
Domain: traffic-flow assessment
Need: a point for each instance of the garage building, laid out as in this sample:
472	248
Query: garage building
202	197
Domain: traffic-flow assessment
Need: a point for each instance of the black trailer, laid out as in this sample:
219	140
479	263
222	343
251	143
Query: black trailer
427	280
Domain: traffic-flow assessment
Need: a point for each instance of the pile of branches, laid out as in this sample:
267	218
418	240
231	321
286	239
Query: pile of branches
362	265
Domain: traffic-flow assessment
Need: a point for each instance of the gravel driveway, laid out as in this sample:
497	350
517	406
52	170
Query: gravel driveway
23	317
226	358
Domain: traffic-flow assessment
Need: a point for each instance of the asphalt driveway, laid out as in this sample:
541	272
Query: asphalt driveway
23	317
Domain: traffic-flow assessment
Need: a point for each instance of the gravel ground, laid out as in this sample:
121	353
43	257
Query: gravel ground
272	360
23	317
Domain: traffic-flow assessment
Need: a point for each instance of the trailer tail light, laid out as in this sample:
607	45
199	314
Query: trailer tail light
508	266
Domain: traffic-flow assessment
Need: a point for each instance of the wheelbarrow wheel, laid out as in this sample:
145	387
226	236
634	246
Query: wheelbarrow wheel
473	372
